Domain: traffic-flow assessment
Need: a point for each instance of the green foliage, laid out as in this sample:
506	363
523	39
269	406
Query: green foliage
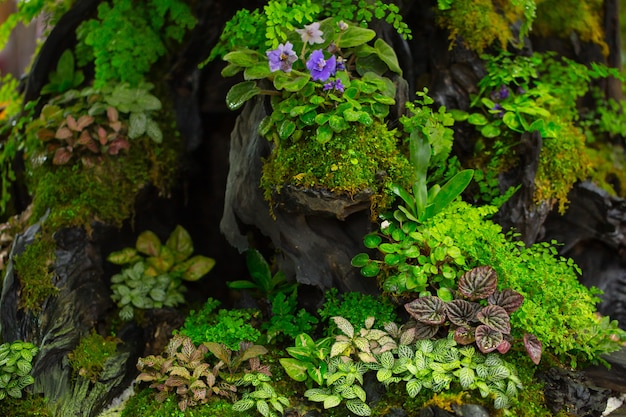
34	269
90	355
27	406
128	37
264	283
583	17
346	164
142	403
286	320
15	365
522	95
256	30
397	358
65	77
470	321
154	276
182	369
230	327
481	23
308	359
49	10
356	307
264	397
561	312
414	260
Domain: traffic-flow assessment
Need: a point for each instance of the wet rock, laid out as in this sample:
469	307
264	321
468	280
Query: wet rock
470	410
432	411
574	393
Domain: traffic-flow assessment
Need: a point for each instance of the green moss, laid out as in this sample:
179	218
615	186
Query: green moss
78	195
88	358
480	23
608	173
33	267
562	17
562	162
354	160
144	404
27	406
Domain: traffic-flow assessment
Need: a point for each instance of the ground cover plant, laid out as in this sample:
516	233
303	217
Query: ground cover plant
465	312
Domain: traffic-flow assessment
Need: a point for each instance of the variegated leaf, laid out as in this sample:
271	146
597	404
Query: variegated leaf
495	317
508	299
344	325
478	283
533	347
428	310
487	338
462	312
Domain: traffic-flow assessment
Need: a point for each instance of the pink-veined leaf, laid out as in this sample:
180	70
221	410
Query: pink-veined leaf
428	310
533	347
508	299
487	338
495	317
462	312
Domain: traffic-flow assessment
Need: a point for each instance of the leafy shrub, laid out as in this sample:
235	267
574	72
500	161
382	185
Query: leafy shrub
489	326
182	369
561	312
230	327
128	37
155	276
286	320
355	307
15	366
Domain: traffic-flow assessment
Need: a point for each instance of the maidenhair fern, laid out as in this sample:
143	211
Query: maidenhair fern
128	37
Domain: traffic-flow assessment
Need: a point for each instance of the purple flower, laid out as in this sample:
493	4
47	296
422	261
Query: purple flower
320	68
282	58
503	93
334	85
343	26
311	33
500	110
341	64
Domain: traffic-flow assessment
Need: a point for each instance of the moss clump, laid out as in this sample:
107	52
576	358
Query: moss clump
27	406
144	404
33	267
360	158
562	17
78	195
88	358
480	23
608	162
563	161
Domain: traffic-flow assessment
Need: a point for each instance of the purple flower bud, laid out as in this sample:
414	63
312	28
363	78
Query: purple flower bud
282	58
320	68
503	93
341	63
343	26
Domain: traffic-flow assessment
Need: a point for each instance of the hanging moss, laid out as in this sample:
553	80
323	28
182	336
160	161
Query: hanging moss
480	23
354	160
562	17
33	267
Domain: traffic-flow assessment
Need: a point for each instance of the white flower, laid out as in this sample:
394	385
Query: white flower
385	224
311	33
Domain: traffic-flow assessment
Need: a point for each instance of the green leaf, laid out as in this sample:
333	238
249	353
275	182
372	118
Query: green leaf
323	134
358	407
125	256
355	36
477	119
196	267
242	285
386	53
360	260
490	131
413	387
332	401
448	193
283	81
243	58
137	124
294	368
240	93
370	270
230	70
153	130
286	128
179	241
148	243
259	269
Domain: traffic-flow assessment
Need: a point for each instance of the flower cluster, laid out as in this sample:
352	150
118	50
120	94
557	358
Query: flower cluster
320	67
